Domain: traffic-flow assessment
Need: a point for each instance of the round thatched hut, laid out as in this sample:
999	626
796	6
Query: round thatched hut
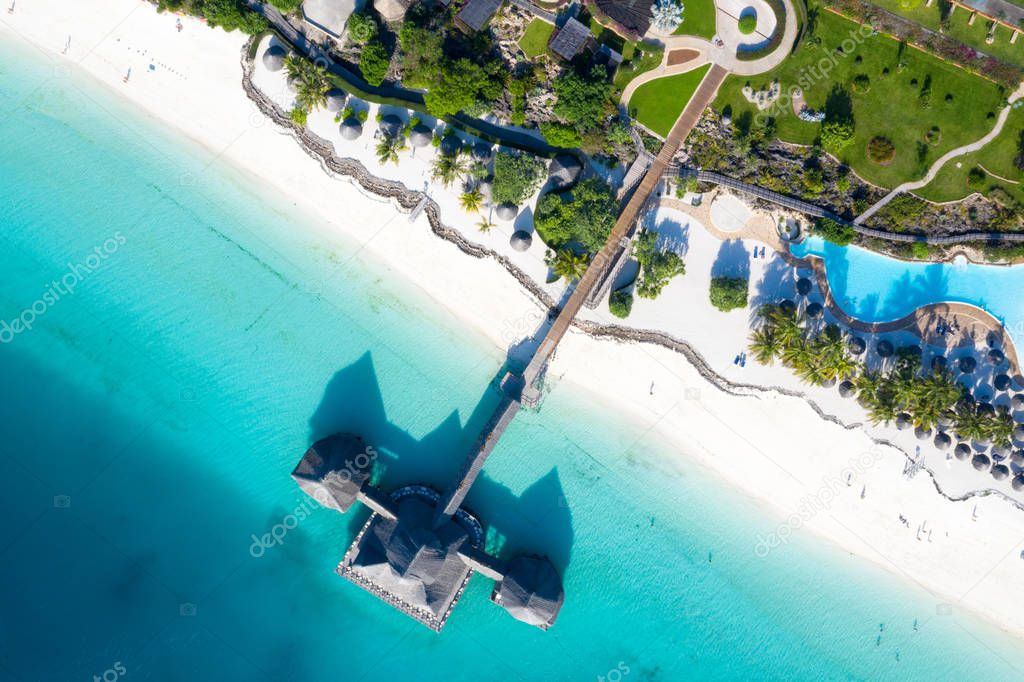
521	240
273	58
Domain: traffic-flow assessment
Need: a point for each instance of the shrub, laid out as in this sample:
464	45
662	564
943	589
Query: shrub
620	303
881	150
584	216
838	233
861	83
298	115
728	293
976	178
374	62
920	251
582	97
286	6
361	28
747	24
560	134
230	15
835	135
933	136
516	177
657	266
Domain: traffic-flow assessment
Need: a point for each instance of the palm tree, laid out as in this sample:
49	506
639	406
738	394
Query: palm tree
1000	426
970	423
294	65
447	169
471	200
312	89
565	263
484	225
765	345
388	148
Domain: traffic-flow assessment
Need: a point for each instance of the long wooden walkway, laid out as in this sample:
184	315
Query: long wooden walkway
706	92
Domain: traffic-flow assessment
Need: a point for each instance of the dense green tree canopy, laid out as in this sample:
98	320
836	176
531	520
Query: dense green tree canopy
657	265
458	85
582	98
728	293
374	61
584	215
361	28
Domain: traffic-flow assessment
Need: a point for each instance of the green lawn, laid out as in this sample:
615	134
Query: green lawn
658	104
535	40
638	58
698	19
929	17
892	106
996	157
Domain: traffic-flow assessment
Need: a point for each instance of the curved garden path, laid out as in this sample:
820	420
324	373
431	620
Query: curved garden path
945	158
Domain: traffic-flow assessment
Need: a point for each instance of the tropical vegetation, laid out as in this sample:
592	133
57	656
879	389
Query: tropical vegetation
584	216
658	265
567	264
516	177
728	293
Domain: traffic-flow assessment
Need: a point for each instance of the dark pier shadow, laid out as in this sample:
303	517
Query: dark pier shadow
536	522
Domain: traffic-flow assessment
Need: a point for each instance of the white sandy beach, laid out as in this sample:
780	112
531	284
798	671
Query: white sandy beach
814	474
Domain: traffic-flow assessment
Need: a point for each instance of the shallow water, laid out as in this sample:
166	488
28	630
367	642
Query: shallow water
152	416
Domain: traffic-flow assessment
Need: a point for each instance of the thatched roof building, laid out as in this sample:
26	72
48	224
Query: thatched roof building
506	212
392	10
351	128
632	17
328	472
521	240
328	15
420	136
563	171
475	14
273	58
409	563
531	591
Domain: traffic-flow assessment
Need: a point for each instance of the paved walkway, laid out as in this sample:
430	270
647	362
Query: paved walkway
945	158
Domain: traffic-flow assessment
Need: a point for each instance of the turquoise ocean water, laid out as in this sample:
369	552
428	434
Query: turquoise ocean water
150	418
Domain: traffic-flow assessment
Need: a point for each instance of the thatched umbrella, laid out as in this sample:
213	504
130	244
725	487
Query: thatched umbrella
487	190
981	462
1018	401
856	345
986	407
939	363
815	310
942	440
903	421
507	212
391	125
912	350
564	170
420	136
946	420
962	451
884	348
1001	451
787	306
273	58
1001	382
996	357
967	364
521	240
846	389
1017	457
1018	432
803	286
483	152
336	100
922	433
1018	482
351	128
1000	472
451	145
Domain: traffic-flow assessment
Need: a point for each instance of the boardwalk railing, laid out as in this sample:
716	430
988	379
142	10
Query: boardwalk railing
760	192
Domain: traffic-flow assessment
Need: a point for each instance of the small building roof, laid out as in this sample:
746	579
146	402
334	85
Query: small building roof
330	473
328	15
570	39
475	14
392	10
273	58
632	16
531	591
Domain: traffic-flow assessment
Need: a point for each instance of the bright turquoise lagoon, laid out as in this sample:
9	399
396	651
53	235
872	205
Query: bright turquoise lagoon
876	288
150	419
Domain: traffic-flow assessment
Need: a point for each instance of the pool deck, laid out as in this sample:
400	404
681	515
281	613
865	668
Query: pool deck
973	324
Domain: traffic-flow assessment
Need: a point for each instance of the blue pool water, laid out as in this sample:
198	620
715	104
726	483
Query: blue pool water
877	288
150	419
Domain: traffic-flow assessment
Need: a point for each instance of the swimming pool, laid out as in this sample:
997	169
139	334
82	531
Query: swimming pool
878	288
